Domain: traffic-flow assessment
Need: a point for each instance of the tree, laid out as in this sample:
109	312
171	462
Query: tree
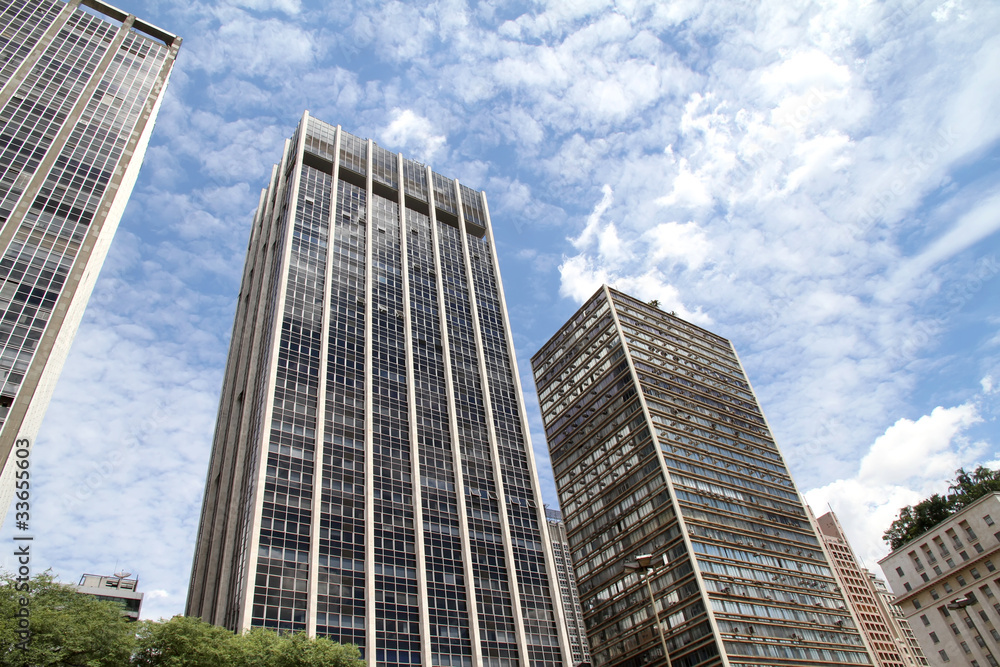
67	628
184	641
915	520
190	642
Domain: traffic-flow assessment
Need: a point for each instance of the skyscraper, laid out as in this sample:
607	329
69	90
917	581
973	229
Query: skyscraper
567	587
80	87
686	530
888	645
372	478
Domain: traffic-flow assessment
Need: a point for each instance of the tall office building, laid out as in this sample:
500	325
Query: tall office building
80	87
575	628
372	478
887	645
686	531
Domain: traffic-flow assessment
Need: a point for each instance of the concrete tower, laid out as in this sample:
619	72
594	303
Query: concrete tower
372	477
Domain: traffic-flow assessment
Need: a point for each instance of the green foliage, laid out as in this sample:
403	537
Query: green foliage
190	642
73	630
67	628
917	519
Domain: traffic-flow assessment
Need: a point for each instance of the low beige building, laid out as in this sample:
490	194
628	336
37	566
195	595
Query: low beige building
946	582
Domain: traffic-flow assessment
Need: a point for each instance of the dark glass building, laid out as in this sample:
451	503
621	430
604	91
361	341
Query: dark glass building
685	528
372	478
80	87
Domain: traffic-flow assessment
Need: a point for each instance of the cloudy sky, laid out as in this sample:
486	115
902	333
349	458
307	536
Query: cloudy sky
817	181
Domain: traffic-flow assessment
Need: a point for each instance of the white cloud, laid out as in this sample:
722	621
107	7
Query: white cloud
908	462
412	132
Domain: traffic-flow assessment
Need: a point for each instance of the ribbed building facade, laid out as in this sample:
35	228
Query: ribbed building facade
575	628
660	450
372	478
80	87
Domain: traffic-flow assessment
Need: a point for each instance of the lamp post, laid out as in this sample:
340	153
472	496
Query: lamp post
962	603
644	562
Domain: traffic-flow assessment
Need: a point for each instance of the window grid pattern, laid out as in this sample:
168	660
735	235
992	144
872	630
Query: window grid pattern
258	397
489	563
36	264
340	602
740	514
353	153
321	139
444	193
281	585
447	599
36	112
384	167
415	180
612	488
396	604
522	510
22	24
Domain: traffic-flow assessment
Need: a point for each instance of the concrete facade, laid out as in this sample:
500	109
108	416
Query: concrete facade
888	644
80	87
947	584
673	488
118	589
372	478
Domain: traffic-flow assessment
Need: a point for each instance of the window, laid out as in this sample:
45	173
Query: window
961	580
974	572
934	638
978	547
924	619
964	555
990	566
950	562
988	519
924	577
987	591
995	634
944	656
965	647
907	586
934	594
954	628
937	570
916	603
899	570
947	587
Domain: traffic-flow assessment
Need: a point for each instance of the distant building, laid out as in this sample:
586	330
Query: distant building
673	488
947	584
887	644
575	628
80	87
902	627
114	589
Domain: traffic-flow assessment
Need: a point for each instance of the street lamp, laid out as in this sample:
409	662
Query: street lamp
645	562
962	603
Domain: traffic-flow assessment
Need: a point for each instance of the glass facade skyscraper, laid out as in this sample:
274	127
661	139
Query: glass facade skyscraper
685	528
80	87
372	478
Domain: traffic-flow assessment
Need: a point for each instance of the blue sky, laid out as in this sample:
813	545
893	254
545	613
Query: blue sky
817	181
